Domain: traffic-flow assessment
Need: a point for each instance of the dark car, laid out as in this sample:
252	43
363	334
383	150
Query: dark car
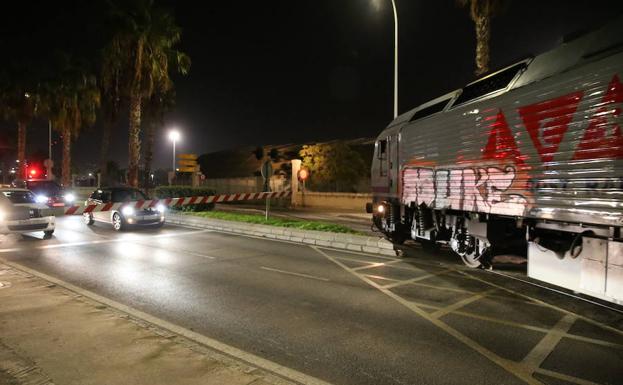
46	191
123	216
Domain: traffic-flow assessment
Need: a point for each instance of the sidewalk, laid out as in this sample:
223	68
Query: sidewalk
51	335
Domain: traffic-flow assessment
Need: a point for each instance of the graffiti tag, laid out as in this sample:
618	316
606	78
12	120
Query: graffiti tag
477	189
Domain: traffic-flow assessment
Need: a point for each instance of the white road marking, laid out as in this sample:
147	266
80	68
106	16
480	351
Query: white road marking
262	363
110	240
293	273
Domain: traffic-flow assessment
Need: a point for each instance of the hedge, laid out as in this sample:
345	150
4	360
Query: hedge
186	191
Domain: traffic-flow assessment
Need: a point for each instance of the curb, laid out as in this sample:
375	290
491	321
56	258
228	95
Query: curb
350	242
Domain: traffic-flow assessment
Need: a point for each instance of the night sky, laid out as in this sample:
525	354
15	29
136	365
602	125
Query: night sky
276	72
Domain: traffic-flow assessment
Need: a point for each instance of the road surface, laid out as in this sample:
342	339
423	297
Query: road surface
345	318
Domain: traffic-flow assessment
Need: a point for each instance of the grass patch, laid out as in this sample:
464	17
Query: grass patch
281	222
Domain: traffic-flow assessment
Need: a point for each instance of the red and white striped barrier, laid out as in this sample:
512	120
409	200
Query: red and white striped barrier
176	202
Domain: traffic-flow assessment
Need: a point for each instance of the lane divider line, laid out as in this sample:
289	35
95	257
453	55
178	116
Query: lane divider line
249	358
100	241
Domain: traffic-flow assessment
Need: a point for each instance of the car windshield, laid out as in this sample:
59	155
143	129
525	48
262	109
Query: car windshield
17	197
127	195
44	186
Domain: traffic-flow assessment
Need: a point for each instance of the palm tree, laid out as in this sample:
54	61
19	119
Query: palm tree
19	105
481	13
155	108
111	95
72	105
144	51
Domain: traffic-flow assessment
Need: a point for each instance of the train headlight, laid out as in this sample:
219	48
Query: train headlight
380	209
127	211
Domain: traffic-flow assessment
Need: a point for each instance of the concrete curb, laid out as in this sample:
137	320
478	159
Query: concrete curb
350	242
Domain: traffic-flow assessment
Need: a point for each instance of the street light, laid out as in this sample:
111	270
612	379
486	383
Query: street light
377	4
174	135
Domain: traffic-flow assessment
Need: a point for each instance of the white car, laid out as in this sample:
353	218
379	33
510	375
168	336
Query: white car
20	213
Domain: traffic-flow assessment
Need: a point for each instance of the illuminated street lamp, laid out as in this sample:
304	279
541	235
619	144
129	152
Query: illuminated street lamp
174	135
377	4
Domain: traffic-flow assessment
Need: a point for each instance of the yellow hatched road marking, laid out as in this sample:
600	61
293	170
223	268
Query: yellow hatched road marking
507	365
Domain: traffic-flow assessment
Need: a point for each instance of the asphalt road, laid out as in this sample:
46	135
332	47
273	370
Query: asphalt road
345	318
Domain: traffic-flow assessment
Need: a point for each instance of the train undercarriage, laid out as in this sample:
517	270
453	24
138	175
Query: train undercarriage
476	237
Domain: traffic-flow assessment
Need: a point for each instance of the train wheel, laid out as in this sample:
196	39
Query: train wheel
473	252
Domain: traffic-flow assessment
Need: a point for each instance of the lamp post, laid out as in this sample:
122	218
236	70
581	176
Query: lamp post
377	4
174	135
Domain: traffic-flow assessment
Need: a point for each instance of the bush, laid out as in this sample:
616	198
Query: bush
186	191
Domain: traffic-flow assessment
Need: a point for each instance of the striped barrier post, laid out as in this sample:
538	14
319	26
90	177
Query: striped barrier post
175	202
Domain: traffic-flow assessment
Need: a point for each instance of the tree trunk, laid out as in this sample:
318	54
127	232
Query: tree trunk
150	134
66	164
134	143
104	153
134	149
483	35
21	148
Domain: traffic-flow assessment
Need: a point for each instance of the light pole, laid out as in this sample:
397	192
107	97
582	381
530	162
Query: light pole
174	135
377	4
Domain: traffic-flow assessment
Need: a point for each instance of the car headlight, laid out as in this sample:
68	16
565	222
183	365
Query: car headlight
127	211
70	198
41	199
160	208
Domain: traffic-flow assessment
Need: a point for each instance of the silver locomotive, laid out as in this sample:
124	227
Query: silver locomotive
528	159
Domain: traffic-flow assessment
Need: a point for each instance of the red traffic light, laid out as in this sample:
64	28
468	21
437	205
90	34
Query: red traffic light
303	174
33	172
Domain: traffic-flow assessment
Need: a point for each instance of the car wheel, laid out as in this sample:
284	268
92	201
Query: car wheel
48	234
88	219
117	222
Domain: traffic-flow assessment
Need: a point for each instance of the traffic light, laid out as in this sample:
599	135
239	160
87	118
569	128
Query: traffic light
33	172
303	174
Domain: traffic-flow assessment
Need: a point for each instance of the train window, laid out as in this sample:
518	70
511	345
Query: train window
492	83
381	153
382	149
424	112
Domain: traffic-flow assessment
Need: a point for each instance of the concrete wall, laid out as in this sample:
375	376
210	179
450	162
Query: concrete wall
335	201
245	185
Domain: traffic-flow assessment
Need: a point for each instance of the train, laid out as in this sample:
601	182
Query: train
528	159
